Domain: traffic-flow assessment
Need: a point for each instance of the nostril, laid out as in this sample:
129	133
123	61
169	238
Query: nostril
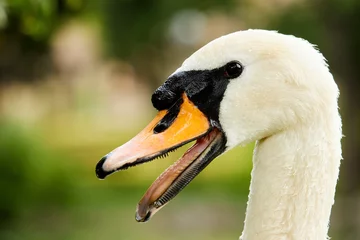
162	126
169	118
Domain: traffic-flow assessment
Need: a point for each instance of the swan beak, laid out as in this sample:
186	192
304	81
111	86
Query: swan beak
170	129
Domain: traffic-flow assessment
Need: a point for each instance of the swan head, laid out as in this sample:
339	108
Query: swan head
241	87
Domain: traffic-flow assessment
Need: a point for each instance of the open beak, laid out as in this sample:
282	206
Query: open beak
170	129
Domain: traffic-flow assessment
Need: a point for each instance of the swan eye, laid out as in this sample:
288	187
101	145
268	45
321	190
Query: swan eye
233	69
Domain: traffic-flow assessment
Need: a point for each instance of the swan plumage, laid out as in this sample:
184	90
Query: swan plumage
285	99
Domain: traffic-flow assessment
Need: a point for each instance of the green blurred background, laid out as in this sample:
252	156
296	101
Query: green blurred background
76	78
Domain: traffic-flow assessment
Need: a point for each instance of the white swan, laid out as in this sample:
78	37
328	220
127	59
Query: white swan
249	85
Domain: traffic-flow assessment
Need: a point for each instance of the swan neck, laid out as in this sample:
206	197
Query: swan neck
293	183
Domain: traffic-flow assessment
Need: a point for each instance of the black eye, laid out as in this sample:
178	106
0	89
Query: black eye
233	69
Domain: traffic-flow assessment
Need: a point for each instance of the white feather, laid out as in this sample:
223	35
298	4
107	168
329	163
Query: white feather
286	99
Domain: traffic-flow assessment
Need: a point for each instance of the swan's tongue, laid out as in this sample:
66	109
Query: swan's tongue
180	174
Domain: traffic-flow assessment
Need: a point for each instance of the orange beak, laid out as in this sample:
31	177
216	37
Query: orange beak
189	124
170	129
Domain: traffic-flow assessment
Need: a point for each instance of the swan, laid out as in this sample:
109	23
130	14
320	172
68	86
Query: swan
252	85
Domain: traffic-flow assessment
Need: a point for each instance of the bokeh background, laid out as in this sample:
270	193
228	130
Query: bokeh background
76	78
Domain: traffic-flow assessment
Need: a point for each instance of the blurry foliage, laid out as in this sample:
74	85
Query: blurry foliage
132	26
25	31
37	20
34	19
32	178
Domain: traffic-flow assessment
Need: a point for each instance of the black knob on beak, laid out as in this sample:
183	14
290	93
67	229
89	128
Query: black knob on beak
163	98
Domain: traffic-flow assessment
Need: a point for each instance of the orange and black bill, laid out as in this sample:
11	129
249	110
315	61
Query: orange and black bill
171	128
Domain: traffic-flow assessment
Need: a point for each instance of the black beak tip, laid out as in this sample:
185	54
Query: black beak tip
100	173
